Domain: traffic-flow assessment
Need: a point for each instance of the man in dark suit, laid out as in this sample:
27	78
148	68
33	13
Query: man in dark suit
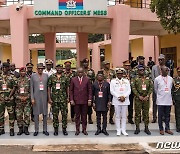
101	101
81	96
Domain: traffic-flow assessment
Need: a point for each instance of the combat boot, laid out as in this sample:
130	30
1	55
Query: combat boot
2	132
26	132
20	131
146	130
11	132
137	131
55	131
65	132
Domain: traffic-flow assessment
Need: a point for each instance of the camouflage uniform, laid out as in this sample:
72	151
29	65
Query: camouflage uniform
176	99
91	74
23	109
59	98
141	105
134	72
8	82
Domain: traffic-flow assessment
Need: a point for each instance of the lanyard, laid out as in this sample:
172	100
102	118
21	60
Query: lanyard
100	85
120	82
40	78
165	81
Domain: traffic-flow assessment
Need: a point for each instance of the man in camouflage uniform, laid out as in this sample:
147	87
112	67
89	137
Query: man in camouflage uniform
91	74
147	70
128	70
109	74
57	93
142	88
29	73
176	99
7	89
70	74
23	103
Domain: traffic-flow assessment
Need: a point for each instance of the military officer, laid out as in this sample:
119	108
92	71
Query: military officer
23	103
70	74
176	99
109	74
91	74
147	70
29	73
7	89
127	67
58	85
142	88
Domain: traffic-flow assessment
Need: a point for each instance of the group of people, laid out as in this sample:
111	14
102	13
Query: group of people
26	95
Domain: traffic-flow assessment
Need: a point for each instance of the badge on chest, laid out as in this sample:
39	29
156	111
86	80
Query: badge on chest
143	87
121	89
4	86
166	90
58	86
100	94
41	86
22	90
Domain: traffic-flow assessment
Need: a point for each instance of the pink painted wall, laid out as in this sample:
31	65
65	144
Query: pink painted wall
96	57
81	46
19	36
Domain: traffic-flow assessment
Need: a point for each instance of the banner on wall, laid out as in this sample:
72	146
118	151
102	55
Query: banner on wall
65	8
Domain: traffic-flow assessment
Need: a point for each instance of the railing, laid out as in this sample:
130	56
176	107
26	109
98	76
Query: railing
38	38
132	3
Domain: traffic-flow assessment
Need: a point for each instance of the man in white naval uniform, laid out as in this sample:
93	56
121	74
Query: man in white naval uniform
162	86
120	89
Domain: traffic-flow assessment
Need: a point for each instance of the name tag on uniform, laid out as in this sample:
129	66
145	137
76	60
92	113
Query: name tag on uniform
4	86
108	80
58	85
41	87
166	90
100	94
121	89
143	87
22	90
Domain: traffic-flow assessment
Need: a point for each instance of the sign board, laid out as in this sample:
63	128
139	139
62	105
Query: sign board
65	8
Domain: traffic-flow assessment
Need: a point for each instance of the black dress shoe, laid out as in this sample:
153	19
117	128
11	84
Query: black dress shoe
55	131
154	121
2	132
20	131
46	133
77	133
105	132
84	132
178	130
65	132
90	121
131	122
146	130
98	132
111	121
35	133
11	132
137	131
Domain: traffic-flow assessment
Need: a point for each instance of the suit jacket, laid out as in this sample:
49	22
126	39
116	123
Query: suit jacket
101	102
80	93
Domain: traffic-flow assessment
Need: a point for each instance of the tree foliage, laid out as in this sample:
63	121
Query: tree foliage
92	38
168	11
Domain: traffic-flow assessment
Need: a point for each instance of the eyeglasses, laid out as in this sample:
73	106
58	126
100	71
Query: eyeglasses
160	59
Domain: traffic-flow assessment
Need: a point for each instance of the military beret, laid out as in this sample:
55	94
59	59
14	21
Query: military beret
106	62
29	65
49	61
100	72
85	60
67	62
5	64
59	65
126	63
140	67
40	65
22	69
119	71
178	69
141	57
